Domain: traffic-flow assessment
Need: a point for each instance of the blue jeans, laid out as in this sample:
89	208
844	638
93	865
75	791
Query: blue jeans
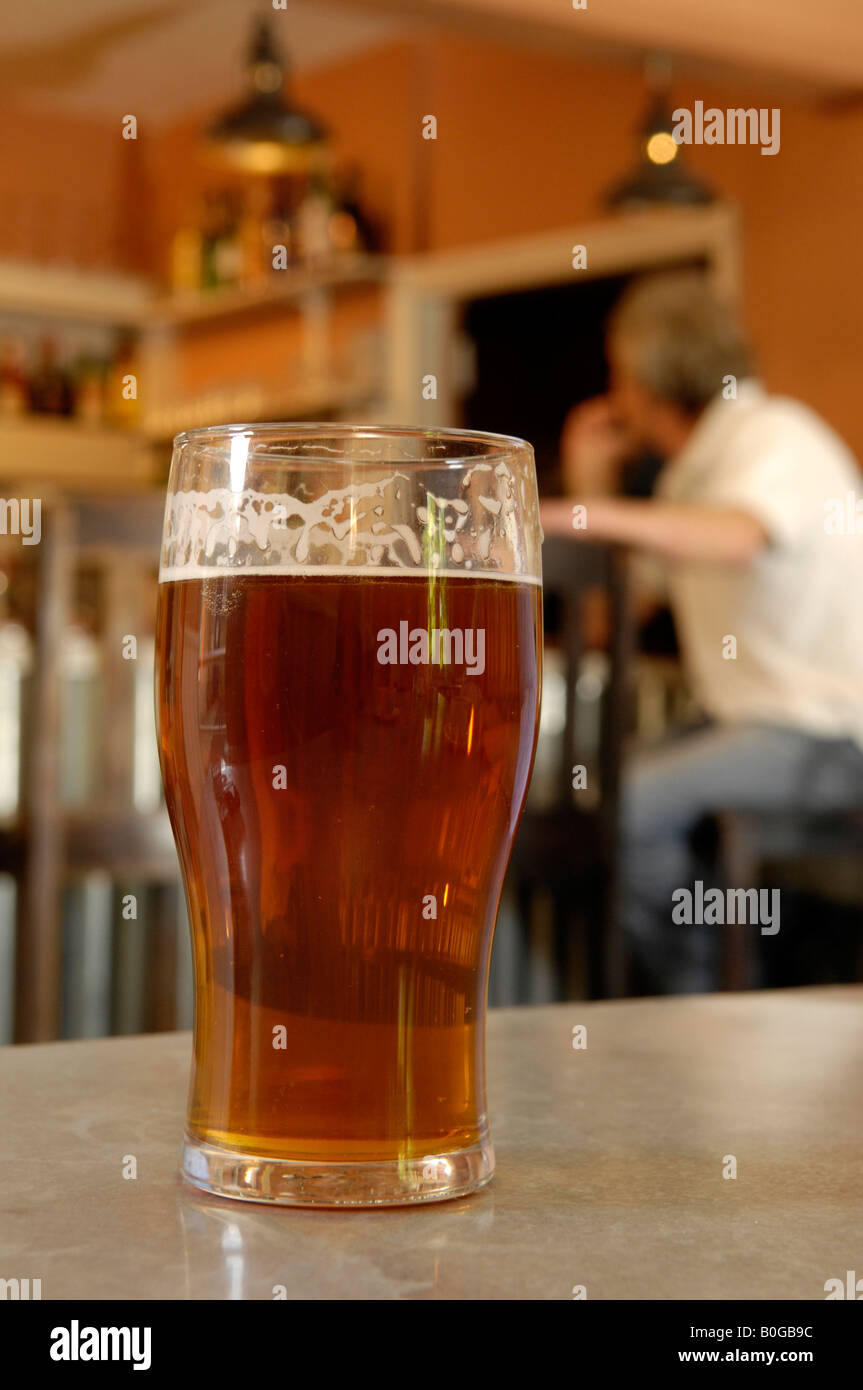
668	792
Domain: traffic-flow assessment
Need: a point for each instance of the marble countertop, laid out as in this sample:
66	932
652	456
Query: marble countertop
610	1163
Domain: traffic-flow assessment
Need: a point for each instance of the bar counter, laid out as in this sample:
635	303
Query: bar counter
611	1164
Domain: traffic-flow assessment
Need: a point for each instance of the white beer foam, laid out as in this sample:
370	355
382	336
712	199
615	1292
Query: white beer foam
371	528
176	575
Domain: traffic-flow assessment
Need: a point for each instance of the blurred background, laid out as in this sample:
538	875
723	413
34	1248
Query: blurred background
372	210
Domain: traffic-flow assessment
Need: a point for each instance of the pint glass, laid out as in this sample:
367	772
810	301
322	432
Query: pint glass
347	688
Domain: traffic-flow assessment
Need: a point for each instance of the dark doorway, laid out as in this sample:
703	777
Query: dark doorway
539	353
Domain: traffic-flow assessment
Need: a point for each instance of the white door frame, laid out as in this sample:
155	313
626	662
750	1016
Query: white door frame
425	292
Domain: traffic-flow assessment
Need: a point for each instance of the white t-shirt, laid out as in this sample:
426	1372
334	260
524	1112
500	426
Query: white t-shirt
796	612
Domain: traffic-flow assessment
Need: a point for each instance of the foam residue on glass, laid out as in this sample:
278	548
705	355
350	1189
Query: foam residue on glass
393	522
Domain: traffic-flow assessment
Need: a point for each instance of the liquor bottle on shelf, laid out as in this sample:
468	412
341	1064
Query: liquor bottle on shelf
90	389
187	259
255	254
350	229
312	220
227	253
50	388
122	384
211	225
279	230
13	380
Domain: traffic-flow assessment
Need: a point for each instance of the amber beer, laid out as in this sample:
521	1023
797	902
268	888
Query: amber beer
344	824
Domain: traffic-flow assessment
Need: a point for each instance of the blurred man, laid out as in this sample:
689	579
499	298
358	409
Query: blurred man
754	513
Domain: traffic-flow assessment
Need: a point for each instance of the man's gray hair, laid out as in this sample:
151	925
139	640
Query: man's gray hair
681	338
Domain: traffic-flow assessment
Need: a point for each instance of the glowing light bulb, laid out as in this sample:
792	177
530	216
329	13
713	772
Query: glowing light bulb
661	148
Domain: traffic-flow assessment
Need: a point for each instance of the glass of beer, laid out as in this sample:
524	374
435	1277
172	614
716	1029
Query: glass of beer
347	687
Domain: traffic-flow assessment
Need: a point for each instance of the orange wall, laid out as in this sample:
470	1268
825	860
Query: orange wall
803	289
69	192
526	141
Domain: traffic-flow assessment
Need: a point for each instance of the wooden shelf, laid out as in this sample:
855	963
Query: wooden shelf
48	450
307	401
130	300
82	295
283	288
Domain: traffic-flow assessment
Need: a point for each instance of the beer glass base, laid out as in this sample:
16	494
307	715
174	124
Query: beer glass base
298	1183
